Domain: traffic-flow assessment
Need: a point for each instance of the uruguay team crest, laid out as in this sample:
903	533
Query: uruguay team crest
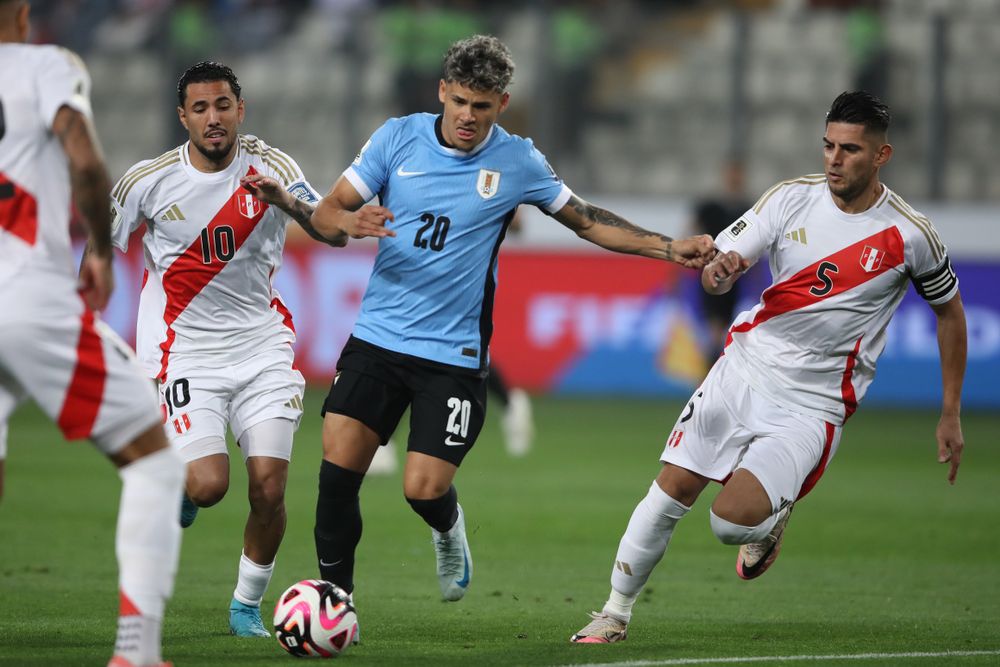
488	183
249	206
871	258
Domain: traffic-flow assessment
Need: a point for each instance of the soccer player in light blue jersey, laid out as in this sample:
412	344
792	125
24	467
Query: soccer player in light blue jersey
448	185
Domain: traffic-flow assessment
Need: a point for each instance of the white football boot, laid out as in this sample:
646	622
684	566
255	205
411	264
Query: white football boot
454	561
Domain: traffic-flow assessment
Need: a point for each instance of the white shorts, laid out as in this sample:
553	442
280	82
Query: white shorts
199	401
727	425
81	374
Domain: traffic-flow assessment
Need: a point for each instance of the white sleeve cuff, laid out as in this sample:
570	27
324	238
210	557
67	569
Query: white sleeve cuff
359	184
560	200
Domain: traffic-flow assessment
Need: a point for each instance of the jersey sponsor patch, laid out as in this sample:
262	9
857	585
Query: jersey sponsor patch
488	183
301	191
738	227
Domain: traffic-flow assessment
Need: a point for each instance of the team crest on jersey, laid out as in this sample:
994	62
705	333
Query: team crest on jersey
488	183
249	206
871	258
674	441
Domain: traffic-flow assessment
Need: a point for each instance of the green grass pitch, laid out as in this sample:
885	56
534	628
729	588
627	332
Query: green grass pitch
883	557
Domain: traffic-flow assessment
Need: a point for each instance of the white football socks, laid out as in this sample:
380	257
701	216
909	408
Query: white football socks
147	543
641	548
252	582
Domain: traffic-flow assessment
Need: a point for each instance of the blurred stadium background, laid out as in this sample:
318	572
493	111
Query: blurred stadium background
637	104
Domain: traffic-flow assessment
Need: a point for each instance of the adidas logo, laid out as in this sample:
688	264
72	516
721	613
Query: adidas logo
798	235
295	403
173	213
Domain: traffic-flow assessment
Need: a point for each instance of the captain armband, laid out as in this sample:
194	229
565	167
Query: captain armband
938	283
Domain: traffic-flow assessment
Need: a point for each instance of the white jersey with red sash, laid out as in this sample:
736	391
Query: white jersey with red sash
52	348
811	343
35	82
211	251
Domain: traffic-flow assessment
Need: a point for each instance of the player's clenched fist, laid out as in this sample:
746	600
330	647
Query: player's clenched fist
692	253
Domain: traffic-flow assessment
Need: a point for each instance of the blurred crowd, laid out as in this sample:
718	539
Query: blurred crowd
122	25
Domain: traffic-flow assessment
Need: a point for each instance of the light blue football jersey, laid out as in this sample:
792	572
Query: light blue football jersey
431	291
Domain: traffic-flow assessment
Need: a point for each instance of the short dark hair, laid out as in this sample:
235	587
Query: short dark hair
860	108
203	72
480	62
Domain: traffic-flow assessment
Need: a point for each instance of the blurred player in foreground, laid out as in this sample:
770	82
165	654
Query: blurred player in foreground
52	348
767	420
448	184
211	328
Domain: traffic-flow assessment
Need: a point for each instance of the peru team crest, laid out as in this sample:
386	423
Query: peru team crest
488	183
249	206
871	258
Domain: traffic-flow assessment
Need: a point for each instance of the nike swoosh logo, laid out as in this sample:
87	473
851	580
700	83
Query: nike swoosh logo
403	172
323	563
453	443
464	581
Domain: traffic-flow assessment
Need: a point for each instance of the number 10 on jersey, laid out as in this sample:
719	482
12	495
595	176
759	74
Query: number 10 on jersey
218	244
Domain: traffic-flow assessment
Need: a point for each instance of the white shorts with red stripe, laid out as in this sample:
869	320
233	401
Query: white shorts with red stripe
200	400
728	425
81	374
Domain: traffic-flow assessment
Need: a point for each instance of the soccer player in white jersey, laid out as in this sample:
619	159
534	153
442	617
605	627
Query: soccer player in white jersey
52	347
211	328
767	420
448	186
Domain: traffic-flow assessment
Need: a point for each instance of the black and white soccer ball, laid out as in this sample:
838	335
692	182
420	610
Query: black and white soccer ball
315	619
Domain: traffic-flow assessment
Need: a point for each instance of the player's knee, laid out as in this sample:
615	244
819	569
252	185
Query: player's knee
206	488
267	495
424	487
734	533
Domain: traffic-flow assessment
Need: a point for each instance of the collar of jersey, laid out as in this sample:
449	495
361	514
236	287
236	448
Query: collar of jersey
210	177
863	216
454	151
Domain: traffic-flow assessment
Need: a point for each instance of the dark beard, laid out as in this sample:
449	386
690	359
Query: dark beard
852	192
214	154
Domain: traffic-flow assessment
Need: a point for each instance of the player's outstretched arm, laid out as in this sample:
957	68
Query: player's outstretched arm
270	191
952	345
725	269
91	192
342	213
611	231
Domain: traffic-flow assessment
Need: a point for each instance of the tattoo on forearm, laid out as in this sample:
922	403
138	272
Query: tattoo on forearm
301	212
600	216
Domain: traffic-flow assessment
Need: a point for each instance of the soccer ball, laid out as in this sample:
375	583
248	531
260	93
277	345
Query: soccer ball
315	619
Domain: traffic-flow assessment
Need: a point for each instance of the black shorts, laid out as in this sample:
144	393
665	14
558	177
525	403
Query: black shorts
375	386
